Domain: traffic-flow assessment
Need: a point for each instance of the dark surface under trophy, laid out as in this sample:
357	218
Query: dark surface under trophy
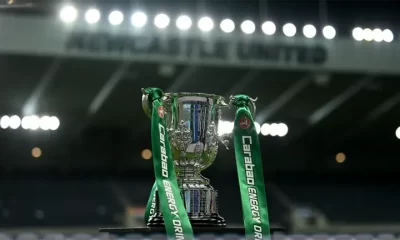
191	121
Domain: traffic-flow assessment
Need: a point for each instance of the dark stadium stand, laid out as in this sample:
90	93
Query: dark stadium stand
50	203
349	203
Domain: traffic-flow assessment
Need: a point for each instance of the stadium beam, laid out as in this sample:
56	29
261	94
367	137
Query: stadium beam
181	79
330	106
284	98
30	105
243	82
107	88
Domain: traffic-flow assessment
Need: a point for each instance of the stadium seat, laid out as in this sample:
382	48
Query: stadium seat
320	237
54	236
133	237
342	237
386	236
232	237
279	236
158	237
81	236
5	237
298	237
364	236
27	236
206	237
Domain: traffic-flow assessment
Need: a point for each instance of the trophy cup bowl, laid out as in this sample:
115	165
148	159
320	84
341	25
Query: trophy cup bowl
192	124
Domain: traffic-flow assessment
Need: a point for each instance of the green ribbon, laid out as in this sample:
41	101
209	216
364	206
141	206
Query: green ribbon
250	171
176	220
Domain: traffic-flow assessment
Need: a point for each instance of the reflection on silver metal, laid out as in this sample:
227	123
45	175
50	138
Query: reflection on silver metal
192	123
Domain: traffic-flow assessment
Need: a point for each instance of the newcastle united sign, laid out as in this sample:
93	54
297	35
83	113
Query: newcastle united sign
197	48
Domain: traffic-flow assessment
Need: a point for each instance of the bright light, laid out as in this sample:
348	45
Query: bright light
225	127
161	21
5	122
274	129
36	152
227	25
358	34
340	157
282	129
92	16
139	19
329	32
184	22
68	14
398	132
15	122
309	31
258	127
54	123
289	29
116	18
377	35
25	123
265	129
205	24
367	34
268	28
34	122
44	123
248	27
387	35
147	154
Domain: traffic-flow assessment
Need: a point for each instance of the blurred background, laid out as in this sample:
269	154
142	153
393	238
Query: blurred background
75	150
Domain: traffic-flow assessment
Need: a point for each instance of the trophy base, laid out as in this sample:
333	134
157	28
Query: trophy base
213	221
146	231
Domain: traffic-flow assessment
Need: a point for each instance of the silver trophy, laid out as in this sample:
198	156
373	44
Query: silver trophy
192	123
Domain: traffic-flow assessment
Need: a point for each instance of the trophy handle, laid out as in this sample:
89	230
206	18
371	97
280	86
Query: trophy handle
252	104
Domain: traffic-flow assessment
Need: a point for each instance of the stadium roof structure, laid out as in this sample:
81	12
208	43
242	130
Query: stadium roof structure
333	91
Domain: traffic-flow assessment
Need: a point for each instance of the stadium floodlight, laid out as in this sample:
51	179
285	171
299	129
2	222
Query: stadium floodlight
227	25
44	123
68	14
282	129
388	35
329	32
34	122
265	129
205	24
274	130
248	27
161	21
377	35
225	127
139	19
368	35
309	31
5	122
184	22
92	16
116	18
268	28
358	34
398	132
54	123
15	122
25	123
289	29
